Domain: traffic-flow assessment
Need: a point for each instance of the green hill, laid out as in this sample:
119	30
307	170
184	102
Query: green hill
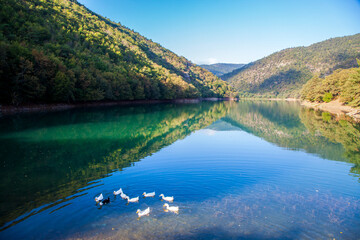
284	73
59	51
343	84
220	69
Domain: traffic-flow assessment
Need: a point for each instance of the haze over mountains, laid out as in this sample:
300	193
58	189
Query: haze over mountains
220	69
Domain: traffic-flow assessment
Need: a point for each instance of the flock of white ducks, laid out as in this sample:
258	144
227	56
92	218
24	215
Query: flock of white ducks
100	199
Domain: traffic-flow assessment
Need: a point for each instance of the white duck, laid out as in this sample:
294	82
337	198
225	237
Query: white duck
99	198
143	213
132	199
152	194
169	199
118	192
171	209
123	195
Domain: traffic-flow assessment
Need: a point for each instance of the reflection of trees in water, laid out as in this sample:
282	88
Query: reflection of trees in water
278	122
49	157
342	131
288	125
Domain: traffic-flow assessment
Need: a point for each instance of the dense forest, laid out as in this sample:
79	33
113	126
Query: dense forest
59	51
220	69
343	84
283	73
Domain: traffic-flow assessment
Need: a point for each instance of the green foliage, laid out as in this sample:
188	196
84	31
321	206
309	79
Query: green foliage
284	124
337	131
342	83
59	51
63	88
351	92
285	72
326	116
327	97
310	89
278	122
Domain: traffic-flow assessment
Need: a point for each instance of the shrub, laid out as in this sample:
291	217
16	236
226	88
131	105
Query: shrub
327	97
326	116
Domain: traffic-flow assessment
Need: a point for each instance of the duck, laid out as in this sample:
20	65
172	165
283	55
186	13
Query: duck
105	201
171	209
152	194
169	199
99	198
143	213
118	192
123	195
132	199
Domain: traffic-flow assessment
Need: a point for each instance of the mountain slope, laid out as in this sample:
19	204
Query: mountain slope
220	69
59	51
342	84
284	73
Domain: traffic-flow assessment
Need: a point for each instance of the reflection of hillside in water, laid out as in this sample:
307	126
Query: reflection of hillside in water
342	131
50	157
288	125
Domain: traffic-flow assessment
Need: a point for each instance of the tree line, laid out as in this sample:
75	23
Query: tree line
59	51
343	84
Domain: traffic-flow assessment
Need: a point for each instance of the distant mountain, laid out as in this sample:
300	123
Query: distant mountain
60	51
220	69
285	72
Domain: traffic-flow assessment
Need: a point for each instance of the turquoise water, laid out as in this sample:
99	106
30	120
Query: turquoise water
249	170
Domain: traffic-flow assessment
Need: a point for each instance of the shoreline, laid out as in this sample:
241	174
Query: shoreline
335	107
50	107
273	99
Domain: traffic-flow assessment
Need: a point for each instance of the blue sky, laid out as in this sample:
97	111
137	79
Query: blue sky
233	31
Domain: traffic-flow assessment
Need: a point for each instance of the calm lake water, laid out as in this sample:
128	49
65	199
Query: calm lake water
249	170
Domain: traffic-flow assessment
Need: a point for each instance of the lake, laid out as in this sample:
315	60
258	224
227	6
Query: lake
248	169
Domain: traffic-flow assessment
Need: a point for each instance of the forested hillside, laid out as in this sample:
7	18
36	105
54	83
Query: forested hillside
284	73
343	84
220	69
59	51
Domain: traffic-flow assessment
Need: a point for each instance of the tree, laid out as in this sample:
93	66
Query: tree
63	88
351	93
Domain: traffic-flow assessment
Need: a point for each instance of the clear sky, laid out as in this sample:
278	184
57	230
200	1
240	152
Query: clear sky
232	31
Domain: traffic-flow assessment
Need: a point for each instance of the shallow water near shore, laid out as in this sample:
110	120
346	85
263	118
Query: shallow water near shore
249	170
